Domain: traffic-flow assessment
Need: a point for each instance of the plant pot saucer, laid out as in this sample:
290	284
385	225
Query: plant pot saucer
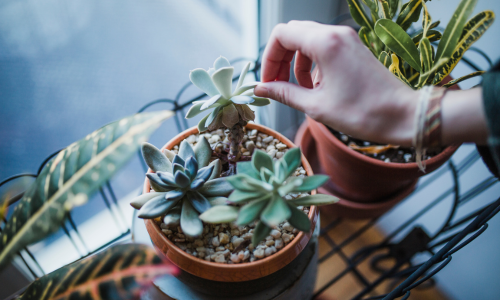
345	208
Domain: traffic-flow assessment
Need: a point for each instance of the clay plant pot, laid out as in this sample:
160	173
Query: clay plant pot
364	179
345	208
260	273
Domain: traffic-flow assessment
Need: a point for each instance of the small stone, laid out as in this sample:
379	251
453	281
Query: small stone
167	231
272	153
198	243
247	153
247	236
207	258
268	251
279	154
278	243
220	259
270	243
344	138
267	140
275	234
250	247
201	254
250	145
258	144
366	143
220	248
295	231
254	132
270	147
387	160
223	238
287	237
407	157
302	172
280	146
235	231
201	249
215	241
235	258
287	227
182	246
237	241
226	253
191	139
178	240
259	253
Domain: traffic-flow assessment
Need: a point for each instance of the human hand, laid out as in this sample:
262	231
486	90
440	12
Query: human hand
351	92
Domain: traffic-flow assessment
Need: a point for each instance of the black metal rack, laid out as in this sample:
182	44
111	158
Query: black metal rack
454	234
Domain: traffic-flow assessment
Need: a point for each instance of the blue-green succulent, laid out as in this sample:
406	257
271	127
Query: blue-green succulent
184	185
260	187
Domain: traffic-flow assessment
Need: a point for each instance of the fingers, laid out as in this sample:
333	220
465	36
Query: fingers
287	93
284	41
302	70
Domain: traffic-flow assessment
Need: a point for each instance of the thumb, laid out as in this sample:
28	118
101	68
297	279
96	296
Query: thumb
285	92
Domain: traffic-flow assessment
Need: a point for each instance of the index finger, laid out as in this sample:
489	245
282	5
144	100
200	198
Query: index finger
285	40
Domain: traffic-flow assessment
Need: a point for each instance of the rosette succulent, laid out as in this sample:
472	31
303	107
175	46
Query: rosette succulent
259	194
184	185
230	108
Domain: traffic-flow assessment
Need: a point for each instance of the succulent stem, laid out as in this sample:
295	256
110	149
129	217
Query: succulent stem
235	136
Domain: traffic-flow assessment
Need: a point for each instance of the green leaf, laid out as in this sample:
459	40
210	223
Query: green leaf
238	182
261	159
241	196
173	216
432	35
72	176
409	13
190	223
217	200
458	80
260	232
293	159
385	59
156	207
437	66
394	69
473	30
201	79
394	5
426	54
299	219
383	11
216	170
196	109
259	101
426	20
290	186
275	212
222	79
453	30
220	214
203	152
398	41
251	211
280	170
359	15
201	125
139	201
213	116
371	5
246	167
185	150
363	36
216	187
102	276
181	179
318	199
198	201
155	159
310	183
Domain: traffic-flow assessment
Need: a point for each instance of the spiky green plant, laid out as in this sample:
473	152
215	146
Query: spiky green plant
184	185
230	108
413	59
259	194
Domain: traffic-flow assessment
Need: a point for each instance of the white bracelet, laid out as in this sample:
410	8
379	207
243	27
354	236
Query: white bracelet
419	124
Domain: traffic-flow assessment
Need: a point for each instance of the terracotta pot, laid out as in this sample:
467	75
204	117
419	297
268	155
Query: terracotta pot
364	179
345	208
235	272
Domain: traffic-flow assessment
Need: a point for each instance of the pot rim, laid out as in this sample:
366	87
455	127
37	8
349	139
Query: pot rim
435	160
283	257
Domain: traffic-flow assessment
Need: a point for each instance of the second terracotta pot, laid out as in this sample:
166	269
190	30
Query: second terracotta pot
364	179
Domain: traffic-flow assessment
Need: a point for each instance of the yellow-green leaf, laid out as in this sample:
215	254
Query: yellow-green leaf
371	5
394	5
394	69
363	36
409	13
70	177
432	35
359	15
458	80
398	41
120	272
383	9
454	29
426	20
426	54
385	59
473	30
424	77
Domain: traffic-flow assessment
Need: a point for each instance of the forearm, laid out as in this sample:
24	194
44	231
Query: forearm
463	118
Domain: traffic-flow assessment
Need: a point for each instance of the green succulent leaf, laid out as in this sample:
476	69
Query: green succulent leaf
260	232
217	200
169	154
102	276
310	183
292	184
199	107
318	199
261	159
216	187
191	167
174	195
166	178
454	29
201	79
70	177
280	170
198	201
238	182
243	74
173	217
190	223
203	152
212	116
220	214
259	101
275	212
241	99
181	179
205	173
177	168
293	158
298	219
246	167
196	184
185	150
359	15
201	125
156	207
139	201
155	159
251	211
178	160
409	14
222	79
221	62
243	196
156	182
458	80
398	41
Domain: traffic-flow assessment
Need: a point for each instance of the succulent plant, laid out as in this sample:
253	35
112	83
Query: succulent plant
413	59
184	185
230	108
259	194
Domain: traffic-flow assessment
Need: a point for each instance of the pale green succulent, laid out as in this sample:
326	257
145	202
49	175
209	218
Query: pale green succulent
229	106
184	185
260	190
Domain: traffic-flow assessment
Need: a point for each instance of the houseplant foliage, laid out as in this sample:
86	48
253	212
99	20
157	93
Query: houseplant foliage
119	272
230	108
259	190
413	59
71	177
183	187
